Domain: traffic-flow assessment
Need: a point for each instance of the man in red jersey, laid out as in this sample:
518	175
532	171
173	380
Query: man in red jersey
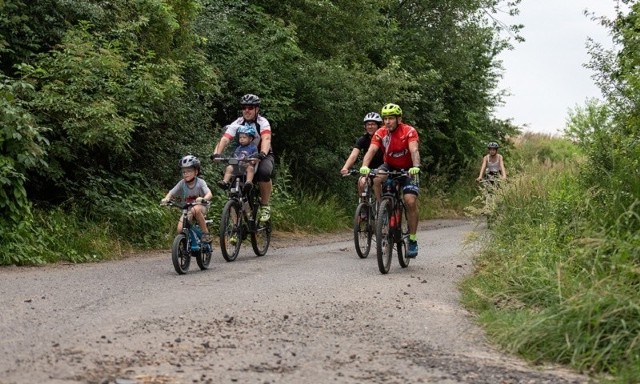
399	141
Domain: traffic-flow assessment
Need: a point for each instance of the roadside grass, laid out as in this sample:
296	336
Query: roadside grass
557	281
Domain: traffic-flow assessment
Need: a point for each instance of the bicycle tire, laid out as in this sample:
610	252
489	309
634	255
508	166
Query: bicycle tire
261	238
180	255
203	258
230	226
362	230
384	236
402	245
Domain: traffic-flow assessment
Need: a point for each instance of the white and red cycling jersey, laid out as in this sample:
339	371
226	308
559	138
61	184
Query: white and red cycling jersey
396	145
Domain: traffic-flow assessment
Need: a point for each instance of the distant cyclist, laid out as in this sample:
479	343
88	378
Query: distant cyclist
372	121
492	164
399	143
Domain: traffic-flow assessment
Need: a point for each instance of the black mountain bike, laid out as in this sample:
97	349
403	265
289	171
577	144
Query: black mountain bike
365	217
240	217
392	229
188	243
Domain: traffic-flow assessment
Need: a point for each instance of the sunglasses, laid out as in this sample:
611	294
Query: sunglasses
248	107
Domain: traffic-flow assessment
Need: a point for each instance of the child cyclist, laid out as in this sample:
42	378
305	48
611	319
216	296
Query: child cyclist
192	189
245	150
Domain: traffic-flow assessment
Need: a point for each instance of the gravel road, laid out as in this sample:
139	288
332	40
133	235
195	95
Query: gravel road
310	311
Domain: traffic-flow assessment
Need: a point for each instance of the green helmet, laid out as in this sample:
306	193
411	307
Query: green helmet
391	110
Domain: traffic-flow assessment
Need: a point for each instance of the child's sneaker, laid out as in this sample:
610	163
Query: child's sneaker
265	213
206	237
412	249
223	184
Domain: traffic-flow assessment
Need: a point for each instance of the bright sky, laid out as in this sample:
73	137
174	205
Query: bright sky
545	74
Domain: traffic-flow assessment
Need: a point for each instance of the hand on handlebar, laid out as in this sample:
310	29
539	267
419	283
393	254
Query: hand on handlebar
215	156
414	171
364	170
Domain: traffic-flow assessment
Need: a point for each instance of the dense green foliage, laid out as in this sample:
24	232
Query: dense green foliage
559	280
100	99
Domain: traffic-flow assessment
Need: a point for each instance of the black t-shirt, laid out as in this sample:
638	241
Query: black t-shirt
363	143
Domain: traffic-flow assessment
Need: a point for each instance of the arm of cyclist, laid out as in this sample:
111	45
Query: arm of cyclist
503	171
415	157
364	169
350	161
483	167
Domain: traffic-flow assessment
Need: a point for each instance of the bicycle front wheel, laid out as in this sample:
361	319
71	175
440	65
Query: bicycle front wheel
261	238
384	236
231	230
203	258
363	229
403	238
180	255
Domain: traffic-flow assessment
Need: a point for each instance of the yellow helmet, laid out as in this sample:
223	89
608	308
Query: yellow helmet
391	110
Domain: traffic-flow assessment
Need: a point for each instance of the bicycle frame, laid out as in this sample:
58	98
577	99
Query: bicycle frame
240	217
188	243
364	217
391	224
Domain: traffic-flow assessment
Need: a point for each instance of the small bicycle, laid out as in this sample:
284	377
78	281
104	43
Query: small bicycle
240	217
392	228
188	243
365	217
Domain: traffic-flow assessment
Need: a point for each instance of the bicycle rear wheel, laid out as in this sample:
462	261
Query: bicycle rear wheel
231	230
401	244
180	255
384	236
363	228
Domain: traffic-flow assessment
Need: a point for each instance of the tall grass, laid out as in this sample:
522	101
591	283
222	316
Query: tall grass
558	281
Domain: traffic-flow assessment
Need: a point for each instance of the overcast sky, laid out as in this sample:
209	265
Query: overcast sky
545	74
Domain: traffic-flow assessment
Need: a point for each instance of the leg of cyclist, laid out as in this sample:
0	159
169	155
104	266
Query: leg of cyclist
263	176
410	196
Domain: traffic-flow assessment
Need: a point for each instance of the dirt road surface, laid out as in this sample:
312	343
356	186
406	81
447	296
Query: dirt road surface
310	311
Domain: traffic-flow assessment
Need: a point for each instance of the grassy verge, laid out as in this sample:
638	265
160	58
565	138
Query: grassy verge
557	281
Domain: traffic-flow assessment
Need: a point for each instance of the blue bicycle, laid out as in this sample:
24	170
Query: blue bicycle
188	243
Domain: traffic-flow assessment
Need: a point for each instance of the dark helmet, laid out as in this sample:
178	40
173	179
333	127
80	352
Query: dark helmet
250	99
493	145
373	116
190	161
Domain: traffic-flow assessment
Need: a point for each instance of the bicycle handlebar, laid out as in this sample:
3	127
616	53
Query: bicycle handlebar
377	171
234	160
184	205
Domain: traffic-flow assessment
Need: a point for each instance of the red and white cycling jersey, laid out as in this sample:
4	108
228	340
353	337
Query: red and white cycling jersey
396	145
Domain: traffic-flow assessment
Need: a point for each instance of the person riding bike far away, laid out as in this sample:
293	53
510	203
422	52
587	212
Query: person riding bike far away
492	164
372	121
399	143
244	151
251	116
192	189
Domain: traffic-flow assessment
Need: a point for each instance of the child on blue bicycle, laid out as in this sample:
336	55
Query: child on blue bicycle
192	189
